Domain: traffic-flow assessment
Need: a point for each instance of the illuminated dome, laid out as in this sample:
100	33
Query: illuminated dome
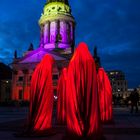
56	10
57	26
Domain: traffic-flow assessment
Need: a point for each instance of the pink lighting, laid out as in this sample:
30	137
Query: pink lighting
105	96
84	97
83	115
61	94
50	31
41	100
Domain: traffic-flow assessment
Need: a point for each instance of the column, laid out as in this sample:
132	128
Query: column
25	81
53	28
56	34
68	26
46	33
63	31
71	31
72	36
14	85
57	27
42	37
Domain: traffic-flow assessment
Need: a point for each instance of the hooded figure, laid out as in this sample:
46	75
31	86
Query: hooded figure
41	100
61	94
105	96
83	115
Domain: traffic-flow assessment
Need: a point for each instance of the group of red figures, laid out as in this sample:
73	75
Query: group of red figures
84	96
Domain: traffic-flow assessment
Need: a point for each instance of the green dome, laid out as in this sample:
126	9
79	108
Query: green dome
63	1
56	10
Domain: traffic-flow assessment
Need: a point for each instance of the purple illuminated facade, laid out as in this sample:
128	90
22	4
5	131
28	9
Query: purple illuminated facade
51	30
57	38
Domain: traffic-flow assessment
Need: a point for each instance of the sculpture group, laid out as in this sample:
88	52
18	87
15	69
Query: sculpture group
84	96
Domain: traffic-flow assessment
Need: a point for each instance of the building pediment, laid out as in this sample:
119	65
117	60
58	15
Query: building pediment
37	55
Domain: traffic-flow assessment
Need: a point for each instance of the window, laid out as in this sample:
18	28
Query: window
55	94
52	38
55	77
59	9
125	83
7	89
30	78
55	91
20	78
118	83
20	94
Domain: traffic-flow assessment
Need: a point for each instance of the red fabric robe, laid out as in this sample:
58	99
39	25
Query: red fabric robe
61	94
105	96
83	115
41	100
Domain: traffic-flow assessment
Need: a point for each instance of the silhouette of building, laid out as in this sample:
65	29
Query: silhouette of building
5	82
117	77
118	82
138	89
57	38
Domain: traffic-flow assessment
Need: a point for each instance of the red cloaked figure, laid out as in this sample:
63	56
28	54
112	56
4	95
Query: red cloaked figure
41	100
105	96
83	115
61	94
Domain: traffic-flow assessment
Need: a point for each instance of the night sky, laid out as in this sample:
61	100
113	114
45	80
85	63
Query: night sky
112	25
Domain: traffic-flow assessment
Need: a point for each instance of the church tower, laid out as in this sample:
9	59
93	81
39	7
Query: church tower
57	26
96	58
57	38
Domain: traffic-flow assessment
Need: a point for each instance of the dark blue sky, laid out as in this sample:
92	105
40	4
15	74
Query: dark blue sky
112	25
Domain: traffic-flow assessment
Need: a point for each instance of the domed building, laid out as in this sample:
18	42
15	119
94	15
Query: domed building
57	26
57	38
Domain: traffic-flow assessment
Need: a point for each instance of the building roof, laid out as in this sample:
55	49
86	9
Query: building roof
56	10
36	56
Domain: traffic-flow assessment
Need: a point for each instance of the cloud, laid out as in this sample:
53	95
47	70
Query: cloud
18	27
126	59
112	25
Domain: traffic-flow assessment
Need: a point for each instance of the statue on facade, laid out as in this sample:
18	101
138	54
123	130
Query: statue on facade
31	47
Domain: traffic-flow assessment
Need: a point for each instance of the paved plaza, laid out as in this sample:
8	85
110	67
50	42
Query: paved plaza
126	126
